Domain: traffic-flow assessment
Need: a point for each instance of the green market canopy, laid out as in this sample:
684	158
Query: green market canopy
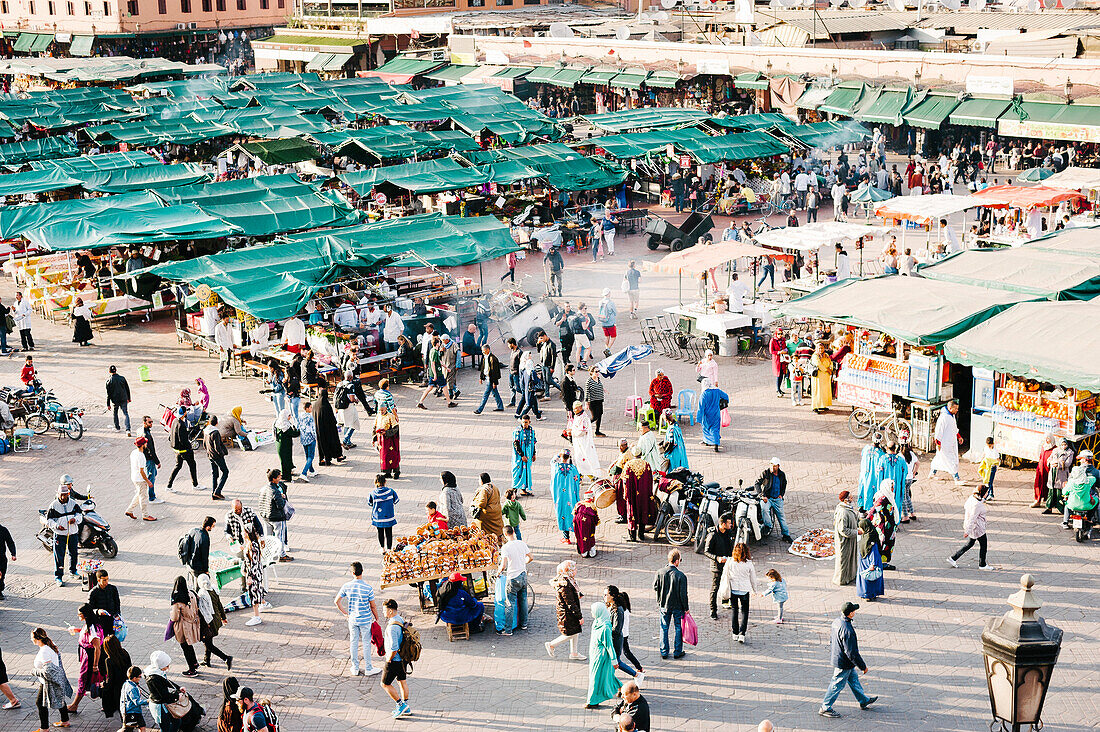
283	151
761	121
1054	342
844	100
507	172
918	311
645	118
402	70
243	190
17	153
1031	271
276	215
94	163
640	144
36	181
126	227
887	106
827	134
429	176
135	179
736	146
979	112
931	112
565	168
14	220
397	141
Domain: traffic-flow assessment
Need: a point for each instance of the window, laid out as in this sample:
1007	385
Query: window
282	3
69	8
49	7
264	4
106	9
206	6
242	4
4	7
185	6
504	2
162	7
87	7
221	6
32	7
132	7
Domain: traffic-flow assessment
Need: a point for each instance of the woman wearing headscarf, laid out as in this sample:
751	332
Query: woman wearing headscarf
451	499
1060	463
570	617
565	486
53	684
711	404
82	322
585	520
163	692
1042	470
845	531
328	434
884	517
485	508
185	623
191	410
869	579
252	564
777	347
674	448
89	640
211	618
822	379
602	684
387	438
232	426
230	719
456	606
285	432
707	370
117	664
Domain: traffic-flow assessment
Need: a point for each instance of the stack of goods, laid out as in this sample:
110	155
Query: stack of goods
814	544
433	552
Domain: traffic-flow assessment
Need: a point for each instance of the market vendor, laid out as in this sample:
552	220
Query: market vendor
456	606
660	392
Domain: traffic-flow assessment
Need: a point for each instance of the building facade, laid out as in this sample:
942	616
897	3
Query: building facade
121	18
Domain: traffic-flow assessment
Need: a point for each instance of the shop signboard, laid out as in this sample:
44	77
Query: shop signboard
987	86
1017	441
716	66
860	396
1048	130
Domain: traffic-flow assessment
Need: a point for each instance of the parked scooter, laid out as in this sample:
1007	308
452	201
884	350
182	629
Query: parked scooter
716	501
69	422
94	531
679	484
748	516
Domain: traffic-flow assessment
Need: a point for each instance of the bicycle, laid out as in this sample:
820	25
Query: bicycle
863	421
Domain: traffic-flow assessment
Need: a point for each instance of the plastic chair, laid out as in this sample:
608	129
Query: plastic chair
633	405
685	405
23	440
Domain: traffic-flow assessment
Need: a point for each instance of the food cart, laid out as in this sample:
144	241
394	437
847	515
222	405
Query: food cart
432	554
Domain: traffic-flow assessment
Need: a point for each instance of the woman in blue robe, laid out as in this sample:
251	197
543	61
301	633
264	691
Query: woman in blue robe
868	464
677	458
869	579
565	487
711	404
523	455
892	466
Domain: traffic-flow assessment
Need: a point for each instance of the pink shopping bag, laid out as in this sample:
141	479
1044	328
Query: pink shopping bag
690	630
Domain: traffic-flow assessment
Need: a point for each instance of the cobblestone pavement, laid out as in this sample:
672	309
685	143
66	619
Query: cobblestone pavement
921	640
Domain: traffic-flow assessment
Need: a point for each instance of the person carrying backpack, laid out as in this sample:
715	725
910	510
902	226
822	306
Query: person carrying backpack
257	717
402	649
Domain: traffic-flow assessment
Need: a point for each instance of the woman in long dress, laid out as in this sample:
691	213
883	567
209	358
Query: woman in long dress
90	651
869	580
584	445
884	517
387	438
822	379
82	322
602	684
565	486
328	434
252	565
711	404
676	452
570	616
117	662
845	531
585	520
285	432
450	498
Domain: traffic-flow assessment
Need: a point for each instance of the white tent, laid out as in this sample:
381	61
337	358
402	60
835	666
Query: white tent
1077	179
925	209
812	237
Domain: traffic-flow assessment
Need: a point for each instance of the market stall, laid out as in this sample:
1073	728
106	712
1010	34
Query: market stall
432	554
815	245
1034	373
1030	216
922	213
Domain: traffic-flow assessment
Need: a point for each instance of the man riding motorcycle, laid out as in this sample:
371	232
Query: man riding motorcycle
64	518
1081	490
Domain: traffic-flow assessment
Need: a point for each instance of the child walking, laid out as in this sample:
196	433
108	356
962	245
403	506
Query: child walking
777	588
987	469
133	700
513	511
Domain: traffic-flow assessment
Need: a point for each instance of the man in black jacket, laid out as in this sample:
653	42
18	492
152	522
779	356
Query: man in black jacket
634	705
180	441
273	507
216	452
7	544
196	554
118	396
152	462
772	485
490	377
548	361
514	356
104	596
670	584
564	321
846	660
719	548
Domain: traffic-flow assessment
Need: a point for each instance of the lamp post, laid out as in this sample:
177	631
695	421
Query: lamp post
1020	652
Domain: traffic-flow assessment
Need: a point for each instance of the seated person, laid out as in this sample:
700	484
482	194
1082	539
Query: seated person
456	606
232	426
470	345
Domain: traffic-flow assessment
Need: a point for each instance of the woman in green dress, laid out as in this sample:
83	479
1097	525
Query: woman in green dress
602	684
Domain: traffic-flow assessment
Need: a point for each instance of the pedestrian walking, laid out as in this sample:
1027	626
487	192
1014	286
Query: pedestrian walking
194	547
554	261
53	683
528	385
140	479
602	684
777	588
548	361
184	617
670	584
179	440
382	501
718	548
523	456
276	511
211	618
513	512
490	377
216	451
712	403
133	700
64	518
152	462
582	334
355	600
285	432
396	666
512	261
974	513
252	566
884	517
738	583
7	544
631	284
81	316
118	396
870	582
344	401
564	321
276	383
565	483
307	436
844	652
568	606
594	396
948	440
89	646
387	439
514	558
845	530
116	664
230	719
21	312
223	340
607	314
486	509
328	434
618	613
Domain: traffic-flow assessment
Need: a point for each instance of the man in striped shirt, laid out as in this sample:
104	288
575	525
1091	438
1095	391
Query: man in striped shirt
358	606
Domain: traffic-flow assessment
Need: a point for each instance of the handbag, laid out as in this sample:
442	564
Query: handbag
625	286
726	418
689	629
181	707
170	631
871	574
289	510
9	323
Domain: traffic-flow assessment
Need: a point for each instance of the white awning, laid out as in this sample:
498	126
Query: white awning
812	237
1078	179
925	209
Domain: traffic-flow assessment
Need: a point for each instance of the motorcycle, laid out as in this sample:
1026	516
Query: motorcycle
748	517
93	531
68	422
1079	522
716	501
680	526
672	484
28	405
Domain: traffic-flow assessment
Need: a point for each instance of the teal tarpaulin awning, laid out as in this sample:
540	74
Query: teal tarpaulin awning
918	311
932	111
103	161
135	179
507	172
276	215
280	152
663	80
1031	271
640	144
397	141
244	190
81	46
113	228
24	42
751	80
979	112
738	146
35	181
645	118
15	153
565	168
14	220
1052	342
843	100
430	176
887	107
761	121
41	43
630	79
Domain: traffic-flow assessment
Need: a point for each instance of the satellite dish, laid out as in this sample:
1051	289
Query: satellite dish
660	16
977	4
622	33
836	3
898	5
1050	3
668	4
560	30
951	4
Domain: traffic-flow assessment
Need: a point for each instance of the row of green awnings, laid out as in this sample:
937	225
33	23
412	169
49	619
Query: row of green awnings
737	146
81	46
663	80
931	112
1052	121
514	72
454	72
630	79
328	61
285	151
599	76
844	100
567	77
979	112
543	74
33	42
751	80
885	107
429	176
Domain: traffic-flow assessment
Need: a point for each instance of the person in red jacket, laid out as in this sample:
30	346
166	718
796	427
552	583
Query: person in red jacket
28	373
660	392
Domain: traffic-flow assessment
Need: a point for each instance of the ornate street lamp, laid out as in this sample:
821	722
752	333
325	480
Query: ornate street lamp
1020	652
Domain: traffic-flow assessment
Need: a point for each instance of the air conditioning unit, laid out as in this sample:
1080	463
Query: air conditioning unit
192	25
181	26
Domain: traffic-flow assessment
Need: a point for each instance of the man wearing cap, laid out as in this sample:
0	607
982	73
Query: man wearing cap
607	314
64	518
251	712
449	361
846	659
845	530
142	484
772	485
